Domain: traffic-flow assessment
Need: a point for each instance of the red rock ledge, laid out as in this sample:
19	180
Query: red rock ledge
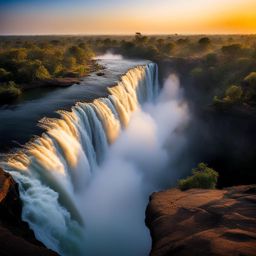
203	222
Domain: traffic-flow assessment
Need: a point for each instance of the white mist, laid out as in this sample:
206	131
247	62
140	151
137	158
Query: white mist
114	203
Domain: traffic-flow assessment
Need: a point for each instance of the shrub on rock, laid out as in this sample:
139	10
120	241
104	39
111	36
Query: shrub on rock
203	177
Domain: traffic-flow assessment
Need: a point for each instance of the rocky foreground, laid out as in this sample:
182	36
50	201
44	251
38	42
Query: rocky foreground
195	222
16	238
203	222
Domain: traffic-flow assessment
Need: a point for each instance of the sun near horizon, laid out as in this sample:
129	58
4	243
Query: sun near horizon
29	17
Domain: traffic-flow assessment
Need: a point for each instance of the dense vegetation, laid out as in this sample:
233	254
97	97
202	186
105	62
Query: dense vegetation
203	177
223	67
9	92
28	60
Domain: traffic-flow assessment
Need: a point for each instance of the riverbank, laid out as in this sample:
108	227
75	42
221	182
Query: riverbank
51	83
203	222
13	92
69	79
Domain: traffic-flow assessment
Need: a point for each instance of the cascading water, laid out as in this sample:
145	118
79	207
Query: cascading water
55	170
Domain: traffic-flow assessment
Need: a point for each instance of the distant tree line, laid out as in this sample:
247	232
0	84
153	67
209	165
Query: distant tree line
222	68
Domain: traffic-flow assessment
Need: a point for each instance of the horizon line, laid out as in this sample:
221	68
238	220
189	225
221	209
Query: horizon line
132	34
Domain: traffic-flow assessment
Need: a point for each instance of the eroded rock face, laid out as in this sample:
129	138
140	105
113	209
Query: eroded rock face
203	222
16	238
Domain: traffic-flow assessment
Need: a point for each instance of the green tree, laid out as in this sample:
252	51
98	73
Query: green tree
33	70
41	73
55	42
182	41
233	94
160	42
17	54
196	73
211	59
58	70
4	75
9	92
232	50
140	39
70	62
168	48
251	79
107	42
81	70
204	42
77	53
36	54
202	177
250	94
88	52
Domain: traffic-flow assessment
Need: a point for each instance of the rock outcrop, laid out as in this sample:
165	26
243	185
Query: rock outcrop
203	222
16	238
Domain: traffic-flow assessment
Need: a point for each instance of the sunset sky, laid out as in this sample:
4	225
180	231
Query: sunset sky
126	17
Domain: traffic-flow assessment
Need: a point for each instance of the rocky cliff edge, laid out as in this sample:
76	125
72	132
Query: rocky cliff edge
203	222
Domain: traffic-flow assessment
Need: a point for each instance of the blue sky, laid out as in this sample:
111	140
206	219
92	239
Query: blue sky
126	17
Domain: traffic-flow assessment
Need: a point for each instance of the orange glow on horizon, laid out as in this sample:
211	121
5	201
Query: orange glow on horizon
167	17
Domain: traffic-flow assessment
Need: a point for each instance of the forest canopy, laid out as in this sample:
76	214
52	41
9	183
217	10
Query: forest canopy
222	68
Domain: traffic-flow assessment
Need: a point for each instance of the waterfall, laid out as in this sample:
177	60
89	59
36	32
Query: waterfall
53	170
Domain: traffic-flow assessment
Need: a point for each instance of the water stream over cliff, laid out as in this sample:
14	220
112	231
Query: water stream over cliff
85	181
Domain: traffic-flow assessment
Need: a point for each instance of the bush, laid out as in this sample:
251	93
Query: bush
41	73
81	70
168	48
9	92
32	71
251	79
233	94
77	53
204	42
17	54
250	94
203	177
232	50
4	75
58	69
196	73
69	62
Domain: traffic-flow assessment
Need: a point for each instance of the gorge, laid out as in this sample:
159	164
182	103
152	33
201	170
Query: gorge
86	180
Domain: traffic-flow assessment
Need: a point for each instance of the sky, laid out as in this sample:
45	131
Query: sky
36	17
